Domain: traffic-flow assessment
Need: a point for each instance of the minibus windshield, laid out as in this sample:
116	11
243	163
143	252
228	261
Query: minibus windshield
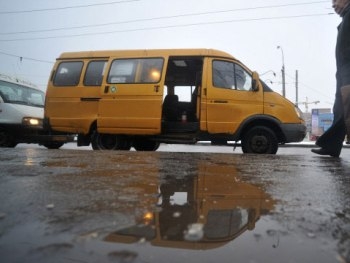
19	94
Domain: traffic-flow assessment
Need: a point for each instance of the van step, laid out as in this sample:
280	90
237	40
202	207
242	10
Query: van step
177	139
180	127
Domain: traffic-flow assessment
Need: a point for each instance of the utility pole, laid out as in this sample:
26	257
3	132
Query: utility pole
283	73
306	104
283	81
296	88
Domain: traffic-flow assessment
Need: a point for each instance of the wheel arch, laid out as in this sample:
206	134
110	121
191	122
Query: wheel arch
93	127
84	139
262	120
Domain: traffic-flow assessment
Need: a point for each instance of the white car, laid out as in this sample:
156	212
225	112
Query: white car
21	115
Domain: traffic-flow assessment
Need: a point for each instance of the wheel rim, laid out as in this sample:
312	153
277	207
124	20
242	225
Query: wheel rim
260	144
260	140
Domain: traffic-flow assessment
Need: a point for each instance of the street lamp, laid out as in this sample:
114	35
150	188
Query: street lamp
283	73
274	74
268	80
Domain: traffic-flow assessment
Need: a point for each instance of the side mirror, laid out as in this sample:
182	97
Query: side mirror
255	81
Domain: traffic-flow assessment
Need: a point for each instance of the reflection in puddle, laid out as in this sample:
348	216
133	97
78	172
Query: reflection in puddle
151	203
31	155
204	210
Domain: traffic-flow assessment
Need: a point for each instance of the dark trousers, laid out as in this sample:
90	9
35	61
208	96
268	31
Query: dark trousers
345	92
332	140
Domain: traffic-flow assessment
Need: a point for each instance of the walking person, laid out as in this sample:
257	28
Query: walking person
331	142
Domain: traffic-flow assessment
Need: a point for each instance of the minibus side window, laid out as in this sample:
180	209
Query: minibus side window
225	223
68	73
94	73
147	70
151	70
229	75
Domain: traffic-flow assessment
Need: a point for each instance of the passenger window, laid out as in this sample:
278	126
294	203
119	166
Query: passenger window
146	70
231	76
68	73
94	73
151	70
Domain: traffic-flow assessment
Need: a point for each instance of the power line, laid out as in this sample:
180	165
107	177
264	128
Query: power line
162	17
306	86
65	8
166	27
27	58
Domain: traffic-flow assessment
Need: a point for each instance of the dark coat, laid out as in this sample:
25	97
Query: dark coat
342	52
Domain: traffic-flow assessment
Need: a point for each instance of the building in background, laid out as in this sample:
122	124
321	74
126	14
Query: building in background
321	120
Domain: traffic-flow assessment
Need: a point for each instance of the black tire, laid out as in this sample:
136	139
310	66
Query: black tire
6	140
53	145
102	141
145	145
124	143
261	140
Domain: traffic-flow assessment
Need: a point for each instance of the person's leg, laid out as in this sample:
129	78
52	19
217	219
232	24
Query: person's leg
345	91
331	142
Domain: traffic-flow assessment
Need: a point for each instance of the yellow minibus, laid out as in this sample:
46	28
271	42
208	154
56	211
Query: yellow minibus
119	99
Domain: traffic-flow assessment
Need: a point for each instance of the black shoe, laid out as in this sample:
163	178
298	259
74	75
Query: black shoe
323	151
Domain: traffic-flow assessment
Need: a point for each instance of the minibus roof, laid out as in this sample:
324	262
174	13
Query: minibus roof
145	53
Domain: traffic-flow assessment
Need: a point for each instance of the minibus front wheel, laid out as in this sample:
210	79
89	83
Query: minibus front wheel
101	141
261	140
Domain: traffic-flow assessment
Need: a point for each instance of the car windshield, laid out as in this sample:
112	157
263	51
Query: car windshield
19	94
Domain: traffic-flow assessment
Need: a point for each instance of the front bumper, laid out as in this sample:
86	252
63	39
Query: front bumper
293	132
24	133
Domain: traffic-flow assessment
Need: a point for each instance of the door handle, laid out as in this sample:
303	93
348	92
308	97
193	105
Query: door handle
90	99
156	88
220	101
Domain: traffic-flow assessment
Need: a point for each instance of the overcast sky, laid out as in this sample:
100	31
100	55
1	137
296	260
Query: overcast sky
34	33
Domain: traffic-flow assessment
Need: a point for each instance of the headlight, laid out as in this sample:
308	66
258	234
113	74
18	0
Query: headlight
147	218
298	112
29	121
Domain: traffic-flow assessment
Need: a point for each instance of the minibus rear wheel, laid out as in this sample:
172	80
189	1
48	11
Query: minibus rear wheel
260	139
102	141
141	144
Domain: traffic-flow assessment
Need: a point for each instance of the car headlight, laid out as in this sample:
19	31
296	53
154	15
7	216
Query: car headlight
29	121
298	112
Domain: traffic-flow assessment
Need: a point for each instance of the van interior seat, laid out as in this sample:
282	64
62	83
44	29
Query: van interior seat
194	109
170	108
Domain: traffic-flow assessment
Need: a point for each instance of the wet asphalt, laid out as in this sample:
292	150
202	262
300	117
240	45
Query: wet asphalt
179	204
